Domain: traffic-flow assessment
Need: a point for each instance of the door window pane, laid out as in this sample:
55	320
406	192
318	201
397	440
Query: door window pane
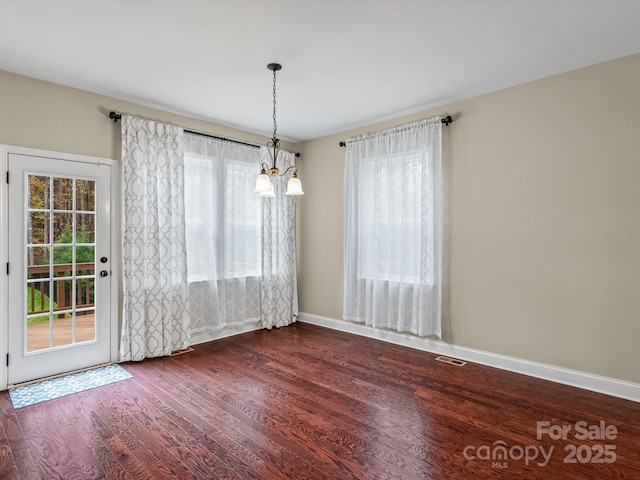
38	192
62	193
38	297
85	326
85	195
62	330
38	228
38	333
38	262
85	228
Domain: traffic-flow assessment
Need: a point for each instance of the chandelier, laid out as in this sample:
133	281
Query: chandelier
264	185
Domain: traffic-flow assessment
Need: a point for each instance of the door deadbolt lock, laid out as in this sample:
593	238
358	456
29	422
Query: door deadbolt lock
104	273
104	259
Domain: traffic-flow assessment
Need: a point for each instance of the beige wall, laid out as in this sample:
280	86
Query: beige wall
544	220
48	116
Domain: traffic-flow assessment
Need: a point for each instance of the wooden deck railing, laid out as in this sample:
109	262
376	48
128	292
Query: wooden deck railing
62	287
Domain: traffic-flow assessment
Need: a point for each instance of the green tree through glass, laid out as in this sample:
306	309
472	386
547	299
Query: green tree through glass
84	253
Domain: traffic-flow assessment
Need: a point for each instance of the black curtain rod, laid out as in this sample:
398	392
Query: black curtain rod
116	116
446	121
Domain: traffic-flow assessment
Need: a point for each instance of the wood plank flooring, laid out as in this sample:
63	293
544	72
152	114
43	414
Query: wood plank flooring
306	402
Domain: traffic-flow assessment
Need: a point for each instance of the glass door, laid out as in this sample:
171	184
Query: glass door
59	294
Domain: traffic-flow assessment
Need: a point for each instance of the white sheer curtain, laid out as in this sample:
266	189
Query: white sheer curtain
224	219
279	299
393	229
155	318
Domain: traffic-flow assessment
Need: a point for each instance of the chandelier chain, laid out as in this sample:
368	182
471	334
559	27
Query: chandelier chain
275	124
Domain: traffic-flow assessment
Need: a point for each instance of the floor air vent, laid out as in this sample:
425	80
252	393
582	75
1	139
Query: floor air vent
452	361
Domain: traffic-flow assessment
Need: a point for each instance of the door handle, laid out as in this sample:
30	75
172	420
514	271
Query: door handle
104	273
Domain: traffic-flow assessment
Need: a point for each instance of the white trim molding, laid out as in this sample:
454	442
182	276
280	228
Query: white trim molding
210	335
574	378
4	255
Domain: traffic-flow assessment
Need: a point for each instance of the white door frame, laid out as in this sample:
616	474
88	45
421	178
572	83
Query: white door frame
5	150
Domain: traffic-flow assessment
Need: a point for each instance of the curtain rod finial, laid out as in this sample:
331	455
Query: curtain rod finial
115	116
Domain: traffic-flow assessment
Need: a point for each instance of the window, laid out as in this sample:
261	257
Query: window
242	221
390	219
223	214
393	229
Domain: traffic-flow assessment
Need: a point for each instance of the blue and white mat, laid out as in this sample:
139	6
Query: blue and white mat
61	386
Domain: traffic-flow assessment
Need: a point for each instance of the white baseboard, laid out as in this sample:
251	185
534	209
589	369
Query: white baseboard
209	335
574	378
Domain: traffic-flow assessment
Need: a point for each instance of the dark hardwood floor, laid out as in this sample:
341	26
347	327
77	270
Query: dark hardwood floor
307	402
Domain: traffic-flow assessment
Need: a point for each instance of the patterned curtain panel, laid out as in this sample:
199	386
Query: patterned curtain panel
393	229
224	229
155	312
279	290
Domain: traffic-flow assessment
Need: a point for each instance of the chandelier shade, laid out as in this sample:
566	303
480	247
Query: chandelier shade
294	186
262	182
268	191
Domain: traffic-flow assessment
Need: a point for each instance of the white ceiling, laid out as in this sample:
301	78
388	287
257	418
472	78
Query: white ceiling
345	63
